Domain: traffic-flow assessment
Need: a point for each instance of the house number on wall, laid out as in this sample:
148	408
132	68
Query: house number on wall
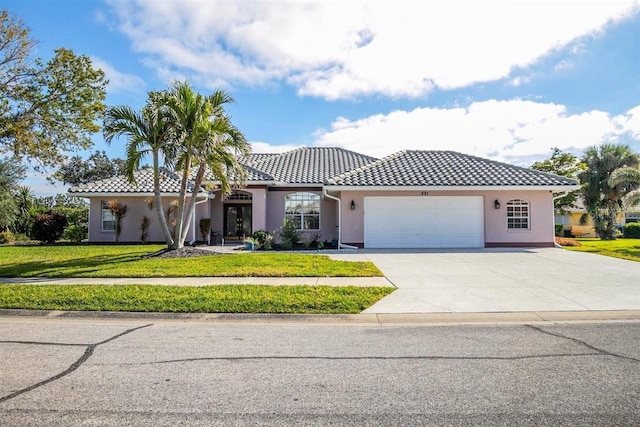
424	193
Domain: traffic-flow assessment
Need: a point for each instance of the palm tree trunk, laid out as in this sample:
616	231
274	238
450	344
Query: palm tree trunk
158	201
178	238
192	202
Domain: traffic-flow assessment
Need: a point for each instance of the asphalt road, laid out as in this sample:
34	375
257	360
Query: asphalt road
85	372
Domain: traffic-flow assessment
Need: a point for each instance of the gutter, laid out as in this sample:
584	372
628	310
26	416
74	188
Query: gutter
193	219
340	244
559	196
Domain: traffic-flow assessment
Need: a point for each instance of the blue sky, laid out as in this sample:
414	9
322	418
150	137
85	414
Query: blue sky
506	80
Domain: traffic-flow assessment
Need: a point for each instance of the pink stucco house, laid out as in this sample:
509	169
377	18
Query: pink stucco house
411	199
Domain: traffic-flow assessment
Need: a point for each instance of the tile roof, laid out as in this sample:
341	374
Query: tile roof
169	183
309	165
444	169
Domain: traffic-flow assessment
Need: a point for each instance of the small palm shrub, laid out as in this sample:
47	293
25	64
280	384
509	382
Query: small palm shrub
289	235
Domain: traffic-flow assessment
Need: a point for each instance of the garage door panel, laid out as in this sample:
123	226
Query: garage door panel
424	222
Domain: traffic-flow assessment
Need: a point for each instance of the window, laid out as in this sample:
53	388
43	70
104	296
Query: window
304	210
517	214
108	220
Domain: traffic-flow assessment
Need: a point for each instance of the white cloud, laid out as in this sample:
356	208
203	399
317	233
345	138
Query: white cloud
335	49
264	147
514	131
118	81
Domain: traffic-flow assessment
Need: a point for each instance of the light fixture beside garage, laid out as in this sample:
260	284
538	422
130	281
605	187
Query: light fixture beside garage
496	204
353	205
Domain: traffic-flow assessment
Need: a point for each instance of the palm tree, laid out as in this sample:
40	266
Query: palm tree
206	139
629	178
148	132
119	211
603	197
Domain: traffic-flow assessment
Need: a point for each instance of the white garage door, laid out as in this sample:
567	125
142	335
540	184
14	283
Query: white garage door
423	222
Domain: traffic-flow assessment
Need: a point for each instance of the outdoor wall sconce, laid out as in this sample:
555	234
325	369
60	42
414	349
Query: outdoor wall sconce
496	204
353	205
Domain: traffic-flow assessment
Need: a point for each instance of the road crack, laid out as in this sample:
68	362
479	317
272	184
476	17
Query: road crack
90	348
585	344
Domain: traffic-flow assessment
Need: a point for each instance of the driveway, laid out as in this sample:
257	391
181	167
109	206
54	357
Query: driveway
502	280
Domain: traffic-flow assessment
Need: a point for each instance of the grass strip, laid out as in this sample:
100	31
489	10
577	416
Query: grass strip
128	261
628	249
184	299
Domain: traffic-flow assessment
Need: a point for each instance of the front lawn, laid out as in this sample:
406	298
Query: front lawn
207	299
619	248
128	261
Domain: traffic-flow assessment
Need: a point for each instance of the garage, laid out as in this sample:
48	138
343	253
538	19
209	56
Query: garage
423	222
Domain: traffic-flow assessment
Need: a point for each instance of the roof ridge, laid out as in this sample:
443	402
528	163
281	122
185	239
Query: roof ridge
375	163
511	166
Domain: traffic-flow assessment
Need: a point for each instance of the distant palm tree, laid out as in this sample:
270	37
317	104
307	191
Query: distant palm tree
147	132
603	196
630	178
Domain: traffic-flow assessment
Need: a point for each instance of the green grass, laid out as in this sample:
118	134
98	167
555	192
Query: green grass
208	299
619	248
128	261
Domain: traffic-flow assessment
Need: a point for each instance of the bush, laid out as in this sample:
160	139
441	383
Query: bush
289	235
564	241
264	239
559	229
75	233
48	227
632	230
6	237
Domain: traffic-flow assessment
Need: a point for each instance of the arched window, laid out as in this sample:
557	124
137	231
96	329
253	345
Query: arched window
303	209
517	214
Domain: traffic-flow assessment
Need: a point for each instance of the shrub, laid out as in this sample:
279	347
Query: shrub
559	229
48	227
75	233
264	239
632	230
289	235
564	241
205	225
6	237
144	228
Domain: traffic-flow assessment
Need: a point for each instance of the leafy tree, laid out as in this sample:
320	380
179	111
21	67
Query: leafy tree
98	166
46	109
603	196
11	173
563	164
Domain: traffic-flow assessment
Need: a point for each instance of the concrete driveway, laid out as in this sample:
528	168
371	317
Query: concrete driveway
503	280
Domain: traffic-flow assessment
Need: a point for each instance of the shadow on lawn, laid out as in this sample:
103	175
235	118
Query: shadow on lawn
76	267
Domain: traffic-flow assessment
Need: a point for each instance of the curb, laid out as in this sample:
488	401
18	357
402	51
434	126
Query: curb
383	319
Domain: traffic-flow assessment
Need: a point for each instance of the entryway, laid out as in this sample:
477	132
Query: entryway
237	222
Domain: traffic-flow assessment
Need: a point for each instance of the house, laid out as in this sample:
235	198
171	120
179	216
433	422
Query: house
573	226
410	199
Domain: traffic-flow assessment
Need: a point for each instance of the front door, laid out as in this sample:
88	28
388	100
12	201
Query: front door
237	221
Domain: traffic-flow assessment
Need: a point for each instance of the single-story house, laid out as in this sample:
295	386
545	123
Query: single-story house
410	199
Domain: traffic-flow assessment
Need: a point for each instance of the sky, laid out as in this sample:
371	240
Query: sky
504	80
